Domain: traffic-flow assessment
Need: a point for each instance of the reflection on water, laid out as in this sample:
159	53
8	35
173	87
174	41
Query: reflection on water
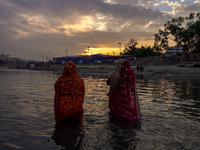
69	137
181	95
170	108
173	109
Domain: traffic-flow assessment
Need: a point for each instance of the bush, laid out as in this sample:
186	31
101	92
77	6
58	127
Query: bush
182	66
196	65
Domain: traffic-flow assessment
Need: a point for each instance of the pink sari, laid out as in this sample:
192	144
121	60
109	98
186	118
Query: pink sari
123	99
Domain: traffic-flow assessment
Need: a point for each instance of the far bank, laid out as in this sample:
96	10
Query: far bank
152	66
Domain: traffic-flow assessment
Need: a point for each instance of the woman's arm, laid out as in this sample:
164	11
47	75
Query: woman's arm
108	81
56	101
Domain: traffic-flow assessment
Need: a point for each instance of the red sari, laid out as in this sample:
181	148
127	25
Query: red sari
69	95
123	99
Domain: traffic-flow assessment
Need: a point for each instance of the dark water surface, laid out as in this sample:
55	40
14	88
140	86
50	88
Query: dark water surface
170	105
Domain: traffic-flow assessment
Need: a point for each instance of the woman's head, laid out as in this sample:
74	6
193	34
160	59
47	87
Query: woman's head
116	75
125	66
69	68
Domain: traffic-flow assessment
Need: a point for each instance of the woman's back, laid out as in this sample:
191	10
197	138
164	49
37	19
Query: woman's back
69	95
123	101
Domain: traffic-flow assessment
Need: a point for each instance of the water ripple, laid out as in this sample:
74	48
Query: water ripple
170	108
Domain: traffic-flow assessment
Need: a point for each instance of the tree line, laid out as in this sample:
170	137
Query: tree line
139	52
184	31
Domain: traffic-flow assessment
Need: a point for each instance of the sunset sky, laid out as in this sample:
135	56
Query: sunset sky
32	28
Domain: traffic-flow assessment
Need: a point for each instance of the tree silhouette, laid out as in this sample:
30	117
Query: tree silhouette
143	51
184	31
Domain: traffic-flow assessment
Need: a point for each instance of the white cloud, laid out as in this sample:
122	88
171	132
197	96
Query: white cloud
170	3
184	10
124	2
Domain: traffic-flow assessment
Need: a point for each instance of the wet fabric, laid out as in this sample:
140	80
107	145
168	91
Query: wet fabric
116	76
123	98
69	95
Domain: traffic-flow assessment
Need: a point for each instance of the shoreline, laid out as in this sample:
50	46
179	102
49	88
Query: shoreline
170	70
164	70
107	69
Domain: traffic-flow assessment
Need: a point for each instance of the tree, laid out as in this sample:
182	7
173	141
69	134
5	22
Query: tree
130	46
193	32
143	51
183	31
161	41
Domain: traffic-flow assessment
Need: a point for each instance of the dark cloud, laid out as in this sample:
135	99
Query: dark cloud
29	28
72	8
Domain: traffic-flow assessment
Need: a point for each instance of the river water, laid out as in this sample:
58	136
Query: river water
170	108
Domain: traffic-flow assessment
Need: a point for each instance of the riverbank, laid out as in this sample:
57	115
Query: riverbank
170	70
175	69
164	70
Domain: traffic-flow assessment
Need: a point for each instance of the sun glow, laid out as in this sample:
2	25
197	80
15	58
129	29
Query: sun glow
85	24
103	51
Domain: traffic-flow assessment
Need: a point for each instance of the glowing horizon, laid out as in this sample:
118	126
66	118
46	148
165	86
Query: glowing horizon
103	51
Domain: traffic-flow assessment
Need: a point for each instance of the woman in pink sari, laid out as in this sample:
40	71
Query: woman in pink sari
123	99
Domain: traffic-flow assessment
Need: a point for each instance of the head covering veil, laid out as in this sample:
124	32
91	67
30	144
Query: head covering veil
69	68
116	75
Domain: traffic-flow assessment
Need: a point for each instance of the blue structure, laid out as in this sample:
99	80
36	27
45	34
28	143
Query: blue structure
80	59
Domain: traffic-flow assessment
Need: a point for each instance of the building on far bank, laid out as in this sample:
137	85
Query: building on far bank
78	59
178	54
96	58
116	57
4	58
188	56
172	51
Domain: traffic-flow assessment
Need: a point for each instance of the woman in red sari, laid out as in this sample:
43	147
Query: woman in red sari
123	99
69	95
